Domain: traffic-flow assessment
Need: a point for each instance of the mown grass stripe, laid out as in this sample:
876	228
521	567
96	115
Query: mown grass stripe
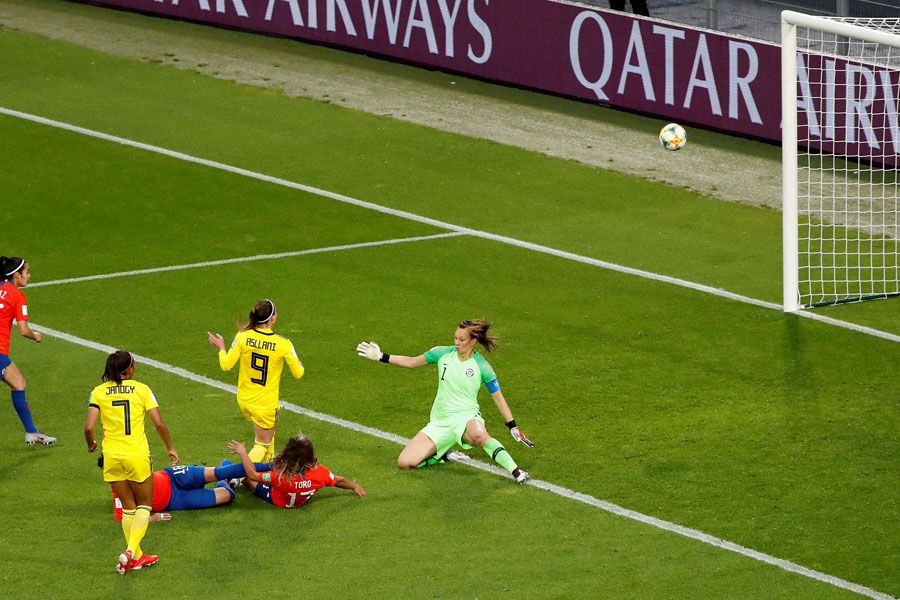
229	261
537	483
449	226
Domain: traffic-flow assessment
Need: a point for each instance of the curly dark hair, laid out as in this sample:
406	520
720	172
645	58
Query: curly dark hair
297	456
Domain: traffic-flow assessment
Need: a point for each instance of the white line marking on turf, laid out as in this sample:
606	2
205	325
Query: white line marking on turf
228	261
462	458
444	225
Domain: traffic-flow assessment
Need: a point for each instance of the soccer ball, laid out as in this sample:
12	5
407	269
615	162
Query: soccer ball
673	137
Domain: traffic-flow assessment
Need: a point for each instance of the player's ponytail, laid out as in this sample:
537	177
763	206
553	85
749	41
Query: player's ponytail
478	329
261	313
117	363
296	456
10	265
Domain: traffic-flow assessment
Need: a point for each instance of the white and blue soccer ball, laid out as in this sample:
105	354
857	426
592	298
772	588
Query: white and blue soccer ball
673	137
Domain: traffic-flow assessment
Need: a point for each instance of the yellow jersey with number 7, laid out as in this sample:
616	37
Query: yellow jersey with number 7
122	409
262	355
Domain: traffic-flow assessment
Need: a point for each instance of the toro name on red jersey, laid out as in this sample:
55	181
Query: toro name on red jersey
296	491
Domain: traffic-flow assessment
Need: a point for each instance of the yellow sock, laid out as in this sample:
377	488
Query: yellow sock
270	452
258	452
127	520
138	529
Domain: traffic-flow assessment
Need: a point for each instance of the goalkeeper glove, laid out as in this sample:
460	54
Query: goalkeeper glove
518	435
369	350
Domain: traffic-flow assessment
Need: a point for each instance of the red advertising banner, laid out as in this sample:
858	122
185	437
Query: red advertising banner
679	73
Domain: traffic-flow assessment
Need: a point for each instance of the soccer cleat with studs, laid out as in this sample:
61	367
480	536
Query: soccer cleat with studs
144	560
37	437
520	476
125	560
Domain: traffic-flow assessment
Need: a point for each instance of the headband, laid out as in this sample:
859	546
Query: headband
130	364
21	264
271	314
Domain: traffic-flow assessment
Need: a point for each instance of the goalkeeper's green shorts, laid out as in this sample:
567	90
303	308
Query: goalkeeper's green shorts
447	433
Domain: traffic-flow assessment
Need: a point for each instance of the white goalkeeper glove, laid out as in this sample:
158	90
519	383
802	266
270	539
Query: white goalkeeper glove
369	350
518	435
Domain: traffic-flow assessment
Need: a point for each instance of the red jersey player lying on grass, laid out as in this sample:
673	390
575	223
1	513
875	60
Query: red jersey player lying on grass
295	474
184	488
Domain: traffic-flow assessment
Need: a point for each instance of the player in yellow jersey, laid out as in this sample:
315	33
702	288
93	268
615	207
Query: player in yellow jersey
121	403
262	355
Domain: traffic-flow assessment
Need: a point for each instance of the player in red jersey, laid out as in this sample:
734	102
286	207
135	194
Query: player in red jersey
295	474
14	274
183	487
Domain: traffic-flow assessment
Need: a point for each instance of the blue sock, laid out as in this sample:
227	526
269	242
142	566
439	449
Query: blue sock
222	484
21	406
230	470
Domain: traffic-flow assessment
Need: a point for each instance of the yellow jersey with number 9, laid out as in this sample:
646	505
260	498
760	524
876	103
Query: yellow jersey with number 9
122	409
263	355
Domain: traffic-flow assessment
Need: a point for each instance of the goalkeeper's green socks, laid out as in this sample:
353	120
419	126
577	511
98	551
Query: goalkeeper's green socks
499	455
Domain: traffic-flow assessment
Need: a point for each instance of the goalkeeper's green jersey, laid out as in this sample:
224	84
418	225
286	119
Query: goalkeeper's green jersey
458	382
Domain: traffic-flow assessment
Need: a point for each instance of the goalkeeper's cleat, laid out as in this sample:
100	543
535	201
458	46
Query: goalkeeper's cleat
39	438
125	560
434	459
144	560
520	476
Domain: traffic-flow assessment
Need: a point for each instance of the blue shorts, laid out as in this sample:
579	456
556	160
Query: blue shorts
188	488
265	492
5	361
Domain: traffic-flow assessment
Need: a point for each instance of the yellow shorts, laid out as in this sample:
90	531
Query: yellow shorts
126	468
264	417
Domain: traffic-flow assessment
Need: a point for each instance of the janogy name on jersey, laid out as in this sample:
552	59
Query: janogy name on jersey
119	389
260	344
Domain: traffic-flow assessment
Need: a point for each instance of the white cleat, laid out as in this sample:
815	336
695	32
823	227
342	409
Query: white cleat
521	476
39	438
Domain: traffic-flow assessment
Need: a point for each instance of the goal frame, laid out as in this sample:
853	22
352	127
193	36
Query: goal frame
790	20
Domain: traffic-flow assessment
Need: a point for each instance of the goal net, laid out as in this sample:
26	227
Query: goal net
841	159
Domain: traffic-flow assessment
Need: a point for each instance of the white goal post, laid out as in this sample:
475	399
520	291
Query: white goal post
840	88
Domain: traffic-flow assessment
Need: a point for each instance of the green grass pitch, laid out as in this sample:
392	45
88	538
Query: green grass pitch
770	431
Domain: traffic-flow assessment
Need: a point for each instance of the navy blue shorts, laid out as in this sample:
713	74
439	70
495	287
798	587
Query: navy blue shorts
5	361
265	492
188	488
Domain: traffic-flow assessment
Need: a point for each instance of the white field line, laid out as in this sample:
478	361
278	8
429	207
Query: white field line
537	483
444	225
228	261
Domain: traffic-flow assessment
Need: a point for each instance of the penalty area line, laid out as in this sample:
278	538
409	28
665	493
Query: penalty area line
230	261
477	464
714	291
